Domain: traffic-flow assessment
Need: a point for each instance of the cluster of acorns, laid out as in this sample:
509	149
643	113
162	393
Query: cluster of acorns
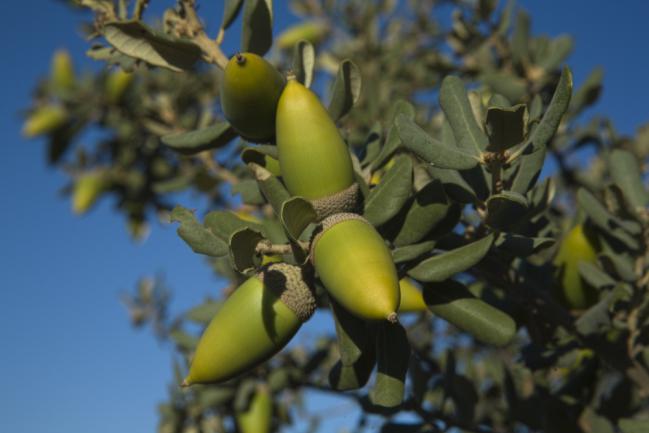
348	255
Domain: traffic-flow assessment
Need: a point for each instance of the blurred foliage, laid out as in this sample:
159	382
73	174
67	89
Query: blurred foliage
450	178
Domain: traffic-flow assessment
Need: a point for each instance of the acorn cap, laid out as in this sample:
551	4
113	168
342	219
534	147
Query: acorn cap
329	222
343	201
292	287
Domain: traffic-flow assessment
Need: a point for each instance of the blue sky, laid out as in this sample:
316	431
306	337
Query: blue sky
70	360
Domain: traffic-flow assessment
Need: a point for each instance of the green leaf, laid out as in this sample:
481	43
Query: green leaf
499	101
623	231
454	184
346	89
199	140
559	49
257	27
506	84
224	223
303	62
522	246
453	302
455	104
249	191
588	93
264	155
594	276
243	250
393	356
520	38
212	397
296	214
629	425
626	174
430	150
135	39
428	209
445	265
351	377
621	265
353	334
389	196
506	127
505	210
203	313
392	140
200	239
271	187
411	252
231	9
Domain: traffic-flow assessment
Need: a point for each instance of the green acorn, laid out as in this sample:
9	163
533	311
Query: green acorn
412	300
258	417
313	31
61	71
87	189
254	323
356	267
44	120
313	157
250	90
116	84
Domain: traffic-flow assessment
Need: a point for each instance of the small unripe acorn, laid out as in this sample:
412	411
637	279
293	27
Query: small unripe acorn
62	71
412	300
313	157
87	189
575	247
356	267
312	31
250	90
253	324
116	84
258	417
44	120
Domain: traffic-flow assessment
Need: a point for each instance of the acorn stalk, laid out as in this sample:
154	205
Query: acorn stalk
258	416
356	267
254	323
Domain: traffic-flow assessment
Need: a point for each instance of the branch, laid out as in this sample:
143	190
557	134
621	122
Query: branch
211	49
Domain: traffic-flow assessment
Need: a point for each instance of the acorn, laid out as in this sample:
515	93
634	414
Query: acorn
250	90
116	84
412	300
45	119
575	247
258	417
87	189
253	324
61	71
356	267
313	157
313	31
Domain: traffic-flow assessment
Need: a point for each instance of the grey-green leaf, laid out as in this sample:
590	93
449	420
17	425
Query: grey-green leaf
264	155
243	250
626	174
430	150
231	9
445	265
428	209
506	127
200	239
135	39
453	302
303	62
296	214
257	29
346	89
411	252
353	334
457	108
192	142
203	313
595	276
249	191
393	356
271	187
522	246
387	199
505	210
224	223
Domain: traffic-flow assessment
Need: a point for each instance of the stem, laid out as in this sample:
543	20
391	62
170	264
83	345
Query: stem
268	248
140	6
211	49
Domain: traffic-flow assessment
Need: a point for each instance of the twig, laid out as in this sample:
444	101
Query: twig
211	49
140	6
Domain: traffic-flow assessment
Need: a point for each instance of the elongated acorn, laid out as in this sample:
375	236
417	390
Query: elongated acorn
258	417
254	323
116	84
313	31
575	247
250	90
356	267
44	120
87	189
313	157
412	300
62	71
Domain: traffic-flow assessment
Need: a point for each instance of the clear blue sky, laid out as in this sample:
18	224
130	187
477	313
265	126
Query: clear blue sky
70	360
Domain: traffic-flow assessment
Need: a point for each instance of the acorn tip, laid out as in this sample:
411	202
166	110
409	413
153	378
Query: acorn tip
240	59
392	317
185	383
